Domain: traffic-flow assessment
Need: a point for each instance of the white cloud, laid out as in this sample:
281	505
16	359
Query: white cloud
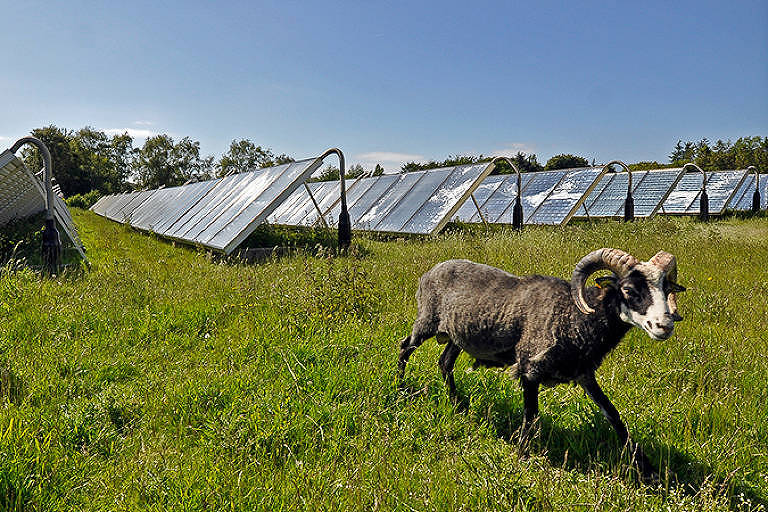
512	148
389	160
143	123
136	133
4	138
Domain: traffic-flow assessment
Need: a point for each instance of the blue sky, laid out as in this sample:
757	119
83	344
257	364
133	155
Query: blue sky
392	81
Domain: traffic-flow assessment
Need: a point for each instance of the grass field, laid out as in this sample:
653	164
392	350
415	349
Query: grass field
165	379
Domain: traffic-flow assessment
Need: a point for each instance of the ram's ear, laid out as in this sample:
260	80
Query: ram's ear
606	281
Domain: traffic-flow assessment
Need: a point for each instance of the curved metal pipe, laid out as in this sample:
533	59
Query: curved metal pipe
51	250
629	202
704	200
47	168
756	193
345	226
517	209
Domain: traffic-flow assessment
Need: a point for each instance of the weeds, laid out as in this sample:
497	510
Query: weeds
165	379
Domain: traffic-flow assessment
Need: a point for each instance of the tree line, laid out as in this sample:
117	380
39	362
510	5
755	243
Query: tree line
88	160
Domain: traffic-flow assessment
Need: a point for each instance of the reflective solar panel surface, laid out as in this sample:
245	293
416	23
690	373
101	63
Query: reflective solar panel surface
560	205
468	210
19	196
608	200
742	200
442	204
502	198
721	187
387	201
22	194
414	198
218	213
419	202
649	190
535	191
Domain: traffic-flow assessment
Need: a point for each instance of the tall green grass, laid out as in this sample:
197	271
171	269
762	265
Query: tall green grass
168	379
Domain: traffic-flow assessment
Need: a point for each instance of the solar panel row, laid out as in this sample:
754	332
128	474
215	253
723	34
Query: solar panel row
419	202
218	213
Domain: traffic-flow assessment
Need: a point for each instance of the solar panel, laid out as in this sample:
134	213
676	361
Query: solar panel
189	195
649	190
445	200
652	190
293	209
609	201
501	198
742	200
381	207
560	205
468	210
22	194
721	187
535	191
355	194
326	194
410	202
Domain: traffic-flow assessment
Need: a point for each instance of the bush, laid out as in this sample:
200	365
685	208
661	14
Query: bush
83	201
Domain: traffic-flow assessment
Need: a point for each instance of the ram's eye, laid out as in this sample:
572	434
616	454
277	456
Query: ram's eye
630	293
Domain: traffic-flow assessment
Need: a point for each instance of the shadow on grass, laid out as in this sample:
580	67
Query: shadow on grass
594	442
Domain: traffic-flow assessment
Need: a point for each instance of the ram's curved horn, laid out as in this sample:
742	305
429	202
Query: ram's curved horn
668	263
615	260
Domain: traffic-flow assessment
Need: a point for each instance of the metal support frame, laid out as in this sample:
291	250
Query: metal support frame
517	210
629	202
51	249
317	207
477	206
704	199
345	225
756	193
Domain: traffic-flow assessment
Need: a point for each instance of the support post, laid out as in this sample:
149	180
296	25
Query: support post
317	207
517	209
629	201
704	199
345	226
756	193
477	206
51	249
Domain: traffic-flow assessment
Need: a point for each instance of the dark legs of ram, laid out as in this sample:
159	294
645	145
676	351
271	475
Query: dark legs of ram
446	362
530	410
589	383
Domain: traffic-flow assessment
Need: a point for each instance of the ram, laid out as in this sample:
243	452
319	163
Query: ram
547	330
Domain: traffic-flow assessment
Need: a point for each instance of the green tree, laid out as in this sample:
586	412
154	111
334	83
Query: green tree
65	167
722	155
161	162
243	155
566	161
647	166
84	160
331	173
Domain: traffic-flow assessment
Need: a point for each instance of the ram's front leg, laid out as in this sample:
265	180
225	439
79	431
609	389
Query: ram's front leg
589	383
530	410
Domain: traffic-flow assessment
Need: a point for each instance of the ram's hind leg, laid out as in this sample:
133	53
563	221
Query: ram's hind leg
447	360
421	332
